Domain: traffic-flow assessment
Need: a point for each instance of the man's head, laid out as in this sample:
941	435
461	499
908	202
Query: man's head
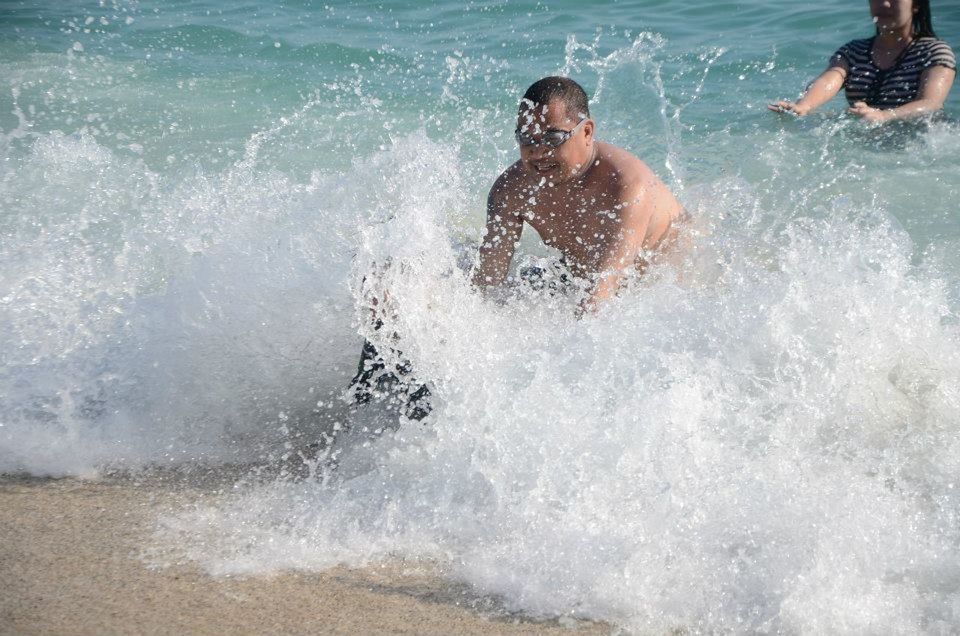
554	129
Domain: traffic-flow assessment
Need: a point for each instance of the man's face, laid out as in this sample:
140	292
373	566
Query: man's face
564	162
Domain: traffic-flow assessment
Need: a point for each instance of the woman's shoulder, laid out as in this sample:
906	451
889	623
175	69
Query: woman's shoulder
927	40
854	51
936	51
932	44
859	45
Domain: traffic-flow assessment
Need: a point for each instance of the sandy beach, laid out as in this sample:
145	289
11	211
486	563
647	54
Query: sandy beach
71	562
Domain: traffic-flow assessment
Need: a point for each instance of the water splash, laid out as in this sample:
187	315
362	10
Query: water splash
759	436
150	321
783	465
645	54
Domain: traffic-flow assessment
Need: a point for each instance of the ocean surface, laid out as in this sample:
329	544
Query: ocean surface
762	435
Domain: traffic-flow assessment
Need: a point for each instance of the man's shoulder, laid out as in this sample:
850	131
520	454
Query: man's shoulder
512	174
510	179
509	182
625	170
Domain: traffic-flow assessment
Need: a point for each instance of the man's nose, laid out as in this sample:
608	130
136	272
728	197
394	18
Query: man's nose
541	150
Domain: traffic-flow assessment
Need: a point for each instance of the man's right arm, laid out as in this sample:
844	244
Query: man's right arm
504	227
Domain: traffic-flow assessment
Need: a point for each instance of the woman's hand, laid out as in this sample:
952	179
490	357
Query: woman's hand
789	107
820	91
870	114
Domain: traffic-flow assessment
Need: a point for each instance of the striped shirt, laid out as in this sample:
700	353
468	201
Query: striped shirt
897	85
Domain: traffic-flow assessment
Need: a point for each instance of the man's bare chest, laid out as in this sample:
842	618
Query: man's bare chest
579	226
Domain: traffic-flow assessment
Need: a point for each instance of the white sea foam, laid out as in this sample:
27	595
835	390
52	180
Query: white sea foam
165	319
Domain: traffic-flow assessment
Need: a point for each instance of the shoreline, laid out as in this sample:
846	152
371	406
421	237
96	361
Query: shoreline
71	562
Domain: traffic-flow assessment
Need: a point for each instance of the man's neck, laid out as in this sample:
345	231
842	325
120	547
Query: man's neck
579	177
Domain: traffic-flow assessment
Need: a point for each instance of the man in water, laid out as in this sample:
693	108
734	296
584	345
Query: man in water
600	206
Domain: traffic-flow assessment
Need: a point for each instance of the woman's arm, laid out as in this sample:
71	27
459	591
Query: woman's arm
821	91
935	85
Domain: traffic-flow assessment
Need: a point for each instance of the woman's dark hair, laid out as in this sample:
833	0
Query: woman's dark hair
922	22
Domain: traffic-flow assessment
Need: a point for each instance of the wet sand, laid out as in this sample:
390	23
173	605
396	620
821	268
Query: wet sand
72	562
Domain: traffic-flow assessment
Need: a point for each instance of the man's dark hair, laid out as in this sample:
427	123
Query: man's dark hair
546	90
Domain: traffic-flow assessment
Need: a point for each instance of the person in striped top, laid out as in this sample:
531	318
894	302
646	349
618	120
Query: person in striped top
902	72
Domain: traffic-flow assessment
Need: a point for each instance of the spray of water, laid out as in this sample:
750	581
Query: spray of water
758	436
763	443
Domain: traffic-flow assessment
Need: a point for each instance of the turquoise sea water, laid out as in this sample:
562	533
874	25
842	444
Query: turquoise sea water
761	437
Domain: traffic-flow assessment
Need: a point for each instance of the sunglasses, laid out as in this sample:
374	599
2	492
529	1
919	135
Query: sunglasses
551	138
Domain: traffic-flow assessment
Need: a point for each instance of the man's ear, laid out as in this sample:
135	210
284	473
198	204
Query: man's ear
588	129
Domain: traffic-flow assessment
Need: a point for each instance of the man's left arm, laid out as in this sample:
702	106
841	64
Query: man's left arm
622	254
